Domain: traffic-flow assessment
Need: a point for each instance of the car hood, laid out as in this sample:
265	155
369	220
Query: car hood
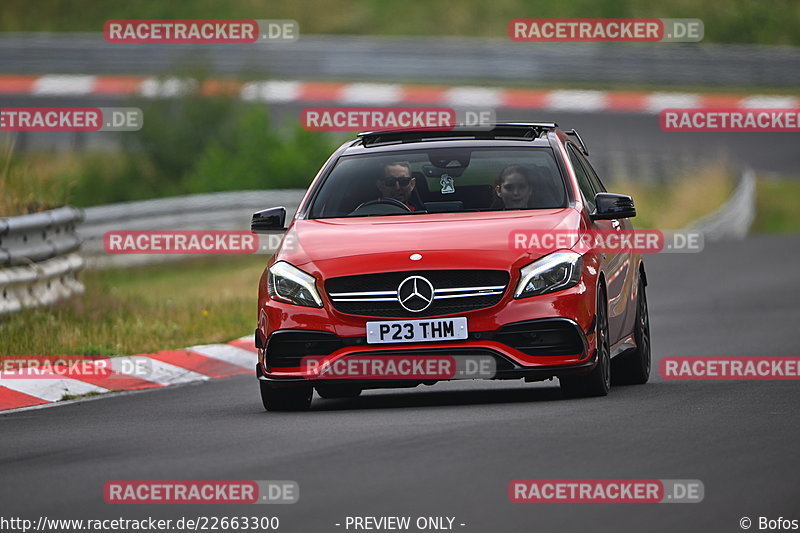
444	240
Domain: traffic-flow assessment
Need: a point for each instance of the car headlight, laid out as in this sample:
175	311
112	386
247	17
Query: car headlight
288	283
554	272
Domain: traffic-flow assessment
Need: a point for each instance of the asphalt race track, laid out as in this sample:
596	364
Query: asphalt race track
452	449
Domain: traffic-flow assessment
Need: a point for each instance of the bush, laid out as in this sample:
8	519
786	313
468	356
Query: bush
256	156
197	145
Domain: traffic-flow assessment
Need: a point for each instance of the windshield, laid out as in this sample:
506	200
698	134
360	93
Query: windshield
441	181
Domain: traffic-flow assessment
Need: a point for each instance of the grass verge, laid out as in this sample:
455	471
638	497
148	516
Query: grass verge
777	202
27	186
682	201
140	310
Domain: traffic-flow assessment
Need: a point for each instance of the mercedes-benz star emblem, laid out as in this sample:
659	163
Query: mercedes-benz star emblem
415	294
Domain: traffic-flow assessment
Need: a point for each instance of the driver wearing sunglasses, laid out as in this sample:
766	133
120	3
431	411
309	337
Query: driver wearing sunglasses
397	183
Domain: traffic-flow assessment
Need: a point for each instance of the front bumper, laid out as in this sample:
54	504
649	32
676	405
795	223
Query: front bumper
562	323
533	349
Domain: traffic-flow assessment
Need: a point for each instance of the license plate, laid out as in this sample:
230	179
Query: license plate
435	329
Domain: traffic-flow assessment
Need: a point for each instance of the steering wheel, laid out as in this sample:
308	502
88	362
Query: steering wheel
388	202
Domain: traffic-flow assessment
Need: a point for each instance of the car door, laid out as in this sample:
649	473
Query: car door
617	264
623	303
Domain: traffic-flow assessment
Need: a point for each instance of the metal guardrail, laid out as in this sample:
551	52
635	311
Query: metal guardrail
400	59
38	252
38	236
734	218
213	211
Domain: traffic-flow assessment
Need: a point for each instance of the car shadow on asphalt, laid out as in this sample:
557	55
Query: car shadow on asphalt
416	397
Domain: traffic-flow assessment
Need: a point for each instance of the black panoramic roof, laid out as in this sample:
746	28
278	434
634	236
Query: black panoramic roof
518	131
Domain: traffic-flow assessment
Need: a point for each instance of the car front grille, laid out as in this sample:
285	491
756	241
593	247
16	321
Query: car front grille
454	291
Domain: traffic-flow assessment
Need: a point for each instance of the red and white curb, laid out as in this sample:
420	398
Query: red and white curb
170	367
385	94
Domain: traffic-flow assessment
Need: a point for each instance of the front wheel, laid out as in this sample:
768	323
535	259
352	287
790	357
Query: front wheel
634	368
285	397
598	381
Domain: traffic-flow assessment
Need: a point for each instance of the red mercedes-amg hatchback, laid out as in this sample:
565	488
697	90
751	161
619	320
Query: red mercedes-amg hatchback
401	267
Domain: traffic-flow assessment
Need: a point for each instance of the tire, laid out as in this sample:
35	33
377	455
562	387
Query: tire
285	398
598	381
332	392
634	368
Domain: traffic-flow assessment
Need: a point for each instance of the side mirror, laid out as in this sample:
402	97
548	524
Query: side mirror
610	206
268	220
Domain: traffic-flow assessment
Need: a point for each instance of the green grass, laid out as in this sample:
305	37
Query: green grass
139	310
726	21
777	206
684	200
27	186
